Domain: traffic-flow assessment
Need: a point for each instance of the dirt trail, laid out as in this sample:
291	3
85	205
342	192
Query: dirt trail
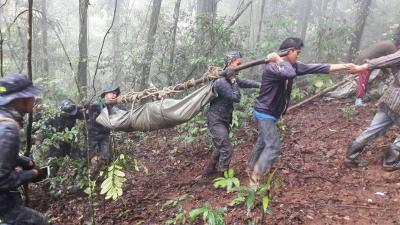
316	189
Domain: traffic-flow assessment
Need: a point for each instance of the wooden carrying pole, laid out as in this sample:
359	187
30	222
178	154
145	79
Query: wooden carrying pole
321	93
252	63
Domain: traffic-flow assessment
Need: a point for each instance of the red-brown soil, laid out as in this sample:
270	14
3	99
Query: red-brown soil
317	188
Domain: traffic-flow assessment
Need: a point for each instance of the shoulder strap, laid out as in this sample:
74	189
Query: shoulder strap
7	119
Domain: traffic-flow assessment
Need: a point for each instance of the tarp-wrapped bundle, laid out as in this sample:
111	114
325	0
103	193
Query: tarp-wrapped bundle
157	115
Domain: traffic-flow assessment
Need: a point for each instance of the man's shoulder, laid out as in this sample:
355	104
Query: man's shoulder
220	82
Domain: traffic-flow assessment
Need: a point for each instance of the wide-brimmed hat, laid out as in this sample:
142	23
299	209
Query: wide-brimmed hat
16	87
110	89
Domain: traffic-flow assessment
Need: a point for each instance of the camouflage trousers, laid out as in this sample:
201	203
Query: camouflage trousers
20	215
223	152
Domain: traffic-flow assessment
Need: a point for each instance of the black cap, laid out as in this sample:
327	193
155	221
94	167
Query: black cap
16	87
110	89
68	106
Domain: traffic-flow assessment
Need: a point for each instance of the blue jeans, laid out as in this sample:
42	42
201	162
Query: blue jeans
381	122
268	146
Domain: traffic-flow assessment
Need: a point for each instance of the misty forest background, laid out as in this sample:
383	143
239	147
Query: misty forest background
163	42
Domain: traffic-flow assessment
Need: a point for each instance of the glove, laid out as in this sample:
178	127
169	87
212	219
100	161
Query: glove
40	176
359	102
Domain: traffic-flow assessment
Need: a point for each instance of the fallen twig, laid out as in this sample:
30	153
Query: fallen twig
321	93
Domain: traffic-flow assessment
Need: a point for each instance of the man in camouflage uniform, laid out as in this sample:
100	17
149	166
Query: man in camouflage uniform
219	115
70	112
17	96
99	136
388	114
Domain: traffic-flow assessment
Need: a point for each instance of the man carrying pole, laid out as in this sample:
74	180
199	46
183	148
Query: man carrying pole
219	115
387	115
273	100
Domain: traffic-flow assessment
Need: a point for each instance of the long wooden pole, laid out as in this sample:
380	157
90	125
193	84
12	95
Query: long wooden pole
321	93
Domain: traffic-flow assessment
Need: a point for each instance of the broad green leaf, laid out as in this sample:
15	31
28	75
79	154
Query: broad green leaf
265	203
119	173
231	173
196	212
237	201
250	201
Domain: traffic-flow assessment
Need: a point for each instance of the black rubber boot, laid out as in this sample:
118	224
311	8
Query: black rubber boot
211	168
353	151
212	164
391	159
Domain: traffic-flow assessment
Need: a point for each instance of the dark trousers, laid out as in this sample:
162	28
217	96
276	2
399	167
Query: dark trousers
222	154
101	147
268	146
20	215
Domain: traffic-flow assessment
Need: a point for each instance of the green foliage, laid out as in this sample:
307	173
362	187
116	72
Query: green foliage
331	39
298	94
193	130
349	111
319	83
209	215
47	136
181	216
112	185
115	177
256	196
70	175
283	128
229	181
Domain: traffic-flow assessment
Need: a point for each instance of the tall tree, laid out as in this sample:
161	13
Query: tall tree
43	21
305	17
116	43
83	45
1	54
30	116
173	41
206	11
362	15
260	22
151	38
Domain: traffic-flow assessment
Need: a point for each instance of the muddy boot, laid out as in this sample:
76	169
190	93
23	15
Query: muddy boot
391	159
353	151
211	168
212	164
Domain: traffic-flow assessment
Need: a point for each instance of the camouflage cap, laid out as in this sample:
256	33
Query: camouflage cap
230	56
16	87
110	89
68	106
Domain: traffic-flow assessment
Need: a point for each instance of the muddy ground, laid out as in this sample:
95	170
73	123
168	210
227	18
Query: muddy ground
316	188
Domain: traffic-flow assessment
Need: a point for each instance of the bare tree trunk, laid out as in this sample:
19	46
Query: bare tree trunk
362	15
260	22
1	54
116	42
306	15
334	8
30	117
212	46
44	38
155	13
173	42
83	45
206	10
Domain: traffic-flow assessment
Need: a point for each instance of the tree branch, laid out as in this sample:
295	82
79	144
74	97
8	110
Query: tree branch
1	6
101	50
